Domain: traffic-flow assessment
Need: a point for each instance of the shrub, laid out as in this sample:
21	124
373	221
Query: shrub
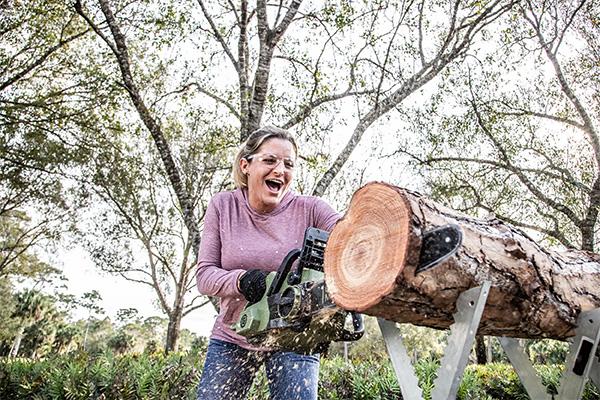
176	376
335	381
130	376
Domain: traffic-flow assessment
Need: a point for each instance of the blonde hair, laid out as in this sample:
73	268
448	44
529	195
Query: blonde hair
251	146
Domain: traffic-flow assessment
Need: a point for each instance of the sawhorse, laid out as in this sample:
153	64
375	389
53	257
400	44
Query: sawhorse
583	360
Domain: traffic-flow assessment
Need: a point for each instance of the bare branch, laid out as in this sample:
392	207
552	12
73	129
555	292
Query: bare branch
521	112
519	173
215	97
220	39
508	167
40	60
280	29
421	52
121	52
268	41
21	244
190	308
244	61
95	28
588	124
306	110
461	38
568	25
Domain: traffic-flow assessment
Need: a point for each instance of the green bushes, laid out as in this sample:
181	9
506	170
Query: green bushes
175	376
129	376
366	380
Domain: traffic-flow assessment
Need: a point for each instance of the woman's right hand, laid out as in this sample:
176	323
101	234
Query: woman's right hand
253	285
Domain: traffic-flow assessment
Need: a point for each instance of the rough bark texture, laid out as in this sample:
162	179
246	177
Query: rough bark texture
372	254
173	330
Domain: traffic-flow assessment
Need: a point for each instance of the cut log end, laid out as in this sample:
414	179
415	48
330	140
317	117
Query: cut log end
367	249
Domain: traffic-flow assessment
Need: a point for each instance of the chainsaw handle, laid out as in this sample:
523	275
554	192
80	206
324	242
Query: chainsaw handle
359	329
283	270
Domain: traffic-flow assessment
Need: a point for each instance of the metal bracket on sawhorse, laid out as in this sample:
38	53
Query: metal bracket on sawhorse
470	305
582	361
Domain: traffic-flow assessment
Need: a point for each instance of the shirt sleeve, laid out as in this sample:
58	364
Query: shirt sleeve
211	279
325	217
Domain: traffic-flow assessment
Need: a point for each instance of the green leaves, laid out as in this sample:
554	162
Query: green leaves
341	14
108	377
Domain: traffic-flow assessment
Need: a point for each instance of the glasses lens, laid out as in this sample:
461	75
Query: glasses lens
271	160
288	163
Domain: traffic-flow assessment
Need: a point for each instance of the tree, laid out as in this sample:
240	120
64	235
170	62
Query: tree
260	35
121	342
99	333
19	319
45	115
18	239
39	338
528	155
386	91
395	80
8	326
141	235
511	154
90	301
161	266
66	338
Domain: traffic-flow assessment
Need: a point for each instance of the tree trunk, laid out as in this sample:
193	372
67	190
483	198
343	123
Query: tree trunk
372	254
173	331
87	329
489	356
480	350
14	350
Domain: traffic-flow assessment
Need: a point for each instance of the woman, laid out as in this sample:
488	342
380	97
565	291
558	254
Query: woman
247	233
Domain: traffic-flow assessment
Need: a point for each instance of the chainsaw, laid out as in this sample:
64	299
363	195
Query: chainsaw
296	313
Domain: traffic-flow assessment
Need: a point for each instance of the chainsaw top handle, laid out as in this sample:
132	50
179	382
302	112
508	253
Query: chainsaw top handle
283	271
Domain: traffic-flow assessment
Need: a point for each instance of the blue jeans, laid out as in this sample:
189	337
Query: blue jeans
229	371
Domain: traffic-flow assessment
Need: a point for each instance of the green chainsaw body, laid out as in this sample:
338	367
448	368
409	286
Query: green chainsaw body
296	314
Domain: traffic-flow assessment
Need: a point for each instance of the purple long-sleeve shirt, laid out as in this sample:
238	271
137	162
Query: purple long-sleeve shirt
236	238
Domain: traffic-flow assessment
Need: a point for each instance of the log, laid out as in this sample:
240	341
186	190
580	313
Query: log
372	254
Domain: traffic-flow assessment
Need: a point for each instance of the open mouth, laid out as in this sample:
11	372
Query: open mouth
274	185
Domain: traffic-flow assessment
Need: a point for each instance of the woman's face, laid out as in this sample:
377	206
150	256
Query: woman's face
270	173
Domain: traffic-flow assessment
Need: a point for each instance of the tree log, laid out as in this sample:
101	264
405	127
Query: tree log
372	254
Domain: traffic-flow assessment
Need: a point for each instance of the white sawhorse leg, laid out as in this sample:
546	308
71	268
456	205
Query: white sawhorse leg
470	306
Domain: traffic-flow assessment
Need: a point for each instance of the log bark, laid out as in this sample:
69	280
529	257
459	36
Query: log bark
372	254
